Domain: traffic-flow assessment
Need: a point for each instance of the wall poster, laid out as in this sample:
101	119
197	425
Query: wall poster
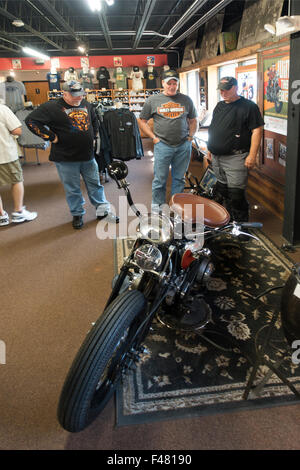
269	151
247	82
276	88
282	154
55	63
150	60
16	64
274	65
84	62
117	61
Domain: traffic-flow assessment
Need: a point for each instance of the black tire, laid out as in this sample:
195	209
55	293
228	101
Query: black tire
278	106
102	356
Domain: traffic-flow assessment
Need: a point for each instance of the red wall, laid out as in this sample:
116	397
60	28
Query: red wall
28	63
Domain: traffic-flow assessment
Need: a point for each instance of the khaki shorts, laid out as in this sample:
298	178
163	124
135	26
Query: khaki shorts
11	173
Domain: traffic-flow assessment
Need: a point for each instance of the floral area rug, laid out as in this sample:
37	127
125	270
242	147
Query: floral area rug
185	375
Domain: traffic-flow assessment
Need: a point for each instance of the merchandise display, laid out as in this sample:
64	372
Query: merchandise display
137	79
103	76
53	78
86	79
151	77
123	133
120	77
70	74
14	94
123	98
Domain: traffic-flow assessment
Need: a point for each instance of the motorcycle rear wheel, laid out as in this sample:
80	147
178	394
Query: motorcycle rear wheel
101	360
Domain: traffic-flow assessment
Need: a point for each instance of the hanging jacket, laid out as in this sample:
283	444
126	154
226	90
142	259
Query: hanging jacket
123	132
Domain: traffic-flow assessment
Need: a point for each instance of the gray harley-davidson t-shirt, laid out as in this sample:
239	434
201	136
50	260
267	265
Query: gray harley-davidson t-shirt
170	114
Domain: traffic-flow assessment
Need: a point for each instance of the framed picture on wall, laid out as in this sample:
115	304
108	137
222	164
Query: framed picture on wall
84	62
117	61
55	63
282	154
247	82
150	60
16	63
269	150
276	85
273	67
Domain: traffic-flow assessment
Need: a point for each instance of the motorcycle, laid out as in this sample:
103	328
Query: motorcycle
156	279
273	93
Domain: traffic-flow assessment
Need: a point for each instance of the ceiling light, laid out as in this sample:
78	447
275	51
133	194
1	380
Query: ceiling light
35	53
284	25
285	21
95	5
110	2
81	48
18	23
287	25
270	28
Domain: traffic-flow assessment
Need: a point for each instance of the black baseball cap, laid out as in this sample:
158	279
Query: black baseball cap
170	75
73	87
226	83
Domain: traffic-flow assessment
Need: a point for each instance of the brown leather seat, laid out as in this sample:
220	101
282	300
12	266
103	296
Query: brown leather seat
185	205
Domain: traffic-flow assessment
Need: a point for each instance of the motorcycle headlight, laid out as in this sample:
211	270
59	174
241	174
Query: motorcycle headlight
156	228
148	257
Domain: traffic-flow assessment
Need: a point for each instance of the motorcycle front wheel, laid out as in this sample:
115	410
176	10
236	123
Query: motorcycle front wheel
278	106
98	366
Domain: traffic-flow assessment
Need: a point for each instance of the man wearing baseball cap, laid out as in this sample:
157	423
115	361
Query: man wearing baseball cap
234	138
71	125
175	122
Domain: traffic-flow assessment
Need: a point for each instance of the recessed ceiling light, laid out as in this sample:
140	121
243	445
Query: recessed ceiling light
18	23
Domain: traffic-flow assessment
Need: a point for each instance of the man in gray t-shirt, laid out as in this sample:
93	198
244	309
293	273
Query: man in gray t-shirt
175	123
15	92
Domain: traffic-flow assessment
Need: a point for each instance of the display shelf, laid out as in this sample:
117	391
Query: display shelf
101	96
137	99
134	100
54	94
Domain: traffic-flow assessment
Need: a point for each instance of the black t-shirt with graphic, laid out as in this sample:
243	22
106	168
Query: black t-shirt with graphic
151	78
231	126
103	77
75	127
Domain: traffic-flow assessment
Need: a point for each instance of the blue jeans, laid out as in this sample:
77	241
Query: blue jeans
164	156
69	173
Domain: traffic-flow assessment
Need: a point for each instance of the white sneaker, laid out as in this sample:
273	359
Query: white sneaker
4	219
23	216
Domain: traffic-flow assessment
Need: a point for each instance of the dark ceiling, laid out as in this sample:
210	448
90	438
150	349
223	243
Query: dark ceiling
57	27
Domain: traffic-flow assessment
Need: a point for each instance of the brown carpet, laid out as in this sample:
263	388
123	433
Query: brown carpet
54	283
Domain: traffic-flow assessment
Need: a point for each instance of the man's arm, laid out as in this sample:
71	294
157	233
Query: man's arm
17	131
38	122
193	124
255	144
146	129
